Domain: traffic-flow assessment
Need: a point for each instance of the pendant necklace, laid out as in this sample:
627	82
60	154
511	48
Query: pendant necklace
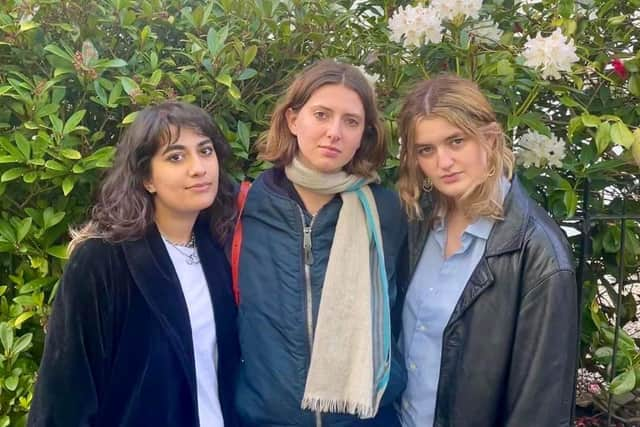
190	258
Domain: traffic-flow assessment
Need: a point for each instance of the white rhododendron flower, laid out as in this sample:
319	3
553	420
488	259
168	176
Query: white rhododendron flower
449	9
540	150
372	78
416	25
486	31
550	54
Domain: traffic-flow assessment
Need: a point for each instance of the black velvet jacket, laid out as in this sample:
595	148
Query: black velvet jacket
509	349
119	349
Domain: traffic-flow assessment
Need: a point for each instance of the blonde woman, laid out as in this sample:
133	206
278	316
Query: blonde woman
490	326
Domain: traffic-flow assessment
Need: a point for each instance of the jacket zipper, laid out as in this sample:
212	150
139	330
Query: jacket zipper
308	261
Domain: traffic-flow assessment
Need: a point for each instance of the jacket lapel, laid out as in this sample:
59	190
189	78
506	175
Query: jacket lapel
507	236
154	275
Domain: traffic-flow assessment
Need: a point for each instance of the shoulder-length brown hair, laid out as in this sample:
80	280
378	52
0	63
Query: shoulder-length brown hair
460	102
124	210
279	146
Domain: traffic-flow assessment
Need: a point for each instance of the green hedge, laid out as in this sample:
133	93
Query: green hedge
73	73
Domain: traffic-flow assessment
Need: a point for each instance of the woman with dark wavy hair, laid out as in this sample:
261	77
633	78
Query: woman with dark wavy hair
142	331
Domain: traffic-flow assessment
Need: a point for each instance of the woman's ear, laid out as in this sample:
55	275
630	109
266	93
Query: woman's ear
151	189
291	117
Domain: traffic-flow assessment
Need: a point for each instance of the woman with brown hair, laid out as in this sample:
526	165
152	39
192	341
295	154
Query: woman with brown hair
490	326
317	273
142	330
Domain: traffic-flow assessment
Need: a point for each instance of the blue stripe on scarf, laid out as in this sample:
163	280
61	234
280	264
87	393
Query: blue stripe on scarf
384	369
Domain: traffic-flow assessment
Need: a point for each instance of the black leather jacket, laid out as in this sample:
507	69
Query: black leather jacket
509	350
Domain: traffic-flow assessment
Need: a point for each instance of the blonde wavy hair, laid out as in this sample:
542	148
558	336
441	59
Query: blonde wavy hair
460	102
278	145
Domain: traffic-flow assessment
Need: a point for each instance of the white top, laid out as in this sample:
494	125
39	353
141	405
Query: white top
203	332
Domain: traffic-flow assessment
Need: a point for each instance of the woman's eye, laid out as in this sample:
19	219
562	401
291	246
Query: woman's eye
425	151
353	123
175	157
320	115
457	141
207	151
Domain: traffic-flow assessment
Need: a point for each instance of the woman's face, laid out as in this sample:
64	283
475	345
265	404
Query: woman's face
184	176
453	160
328	127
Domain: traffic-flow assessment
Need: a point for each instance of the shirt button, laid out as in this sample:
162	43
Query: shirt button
430	289
405	404
412	366
422	328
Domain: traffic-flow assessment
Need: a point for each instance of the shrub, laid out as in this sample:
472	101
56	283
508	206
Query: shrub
73	74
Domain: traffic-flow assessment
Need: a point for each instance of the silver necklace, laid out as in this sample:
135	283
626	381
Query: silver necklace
191	258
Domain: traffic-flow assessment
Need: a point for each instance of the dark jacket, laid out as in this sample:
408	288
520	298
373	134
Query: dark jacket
273	301
119	349
510	348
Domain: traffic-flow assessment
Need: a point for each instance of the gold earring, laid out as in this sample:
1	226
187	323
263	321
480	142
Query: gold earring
427	185
492	171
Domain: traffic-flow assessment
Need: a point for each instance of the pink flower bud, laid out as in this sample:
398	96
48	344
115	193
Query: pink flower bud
619	68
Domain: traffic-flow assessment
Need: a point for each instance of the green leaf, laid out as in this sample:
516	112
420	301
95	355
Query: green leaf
249	55
51	218
571	202
590	121
30	177
56	123
10	148
623	383
23	145
155	78
224	79
11	383
234	91
604	354
112	63
129	85
67	185
24	341
55	165
70	153
6	336
129	118
58	52
243	134
603	137
634	84
11	174
73	122
115	93
23	228
247	73
59	251
621	135
9	159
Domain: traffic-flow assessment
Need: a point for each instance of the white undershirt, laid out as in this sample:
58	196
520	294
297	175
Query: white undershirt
203	331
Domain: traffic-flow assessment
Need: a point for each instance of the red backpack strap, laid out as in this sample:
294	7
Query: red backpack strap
236	243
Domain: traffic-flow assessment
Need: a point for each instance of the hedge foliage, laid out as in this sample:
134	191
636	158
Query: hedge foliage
73	73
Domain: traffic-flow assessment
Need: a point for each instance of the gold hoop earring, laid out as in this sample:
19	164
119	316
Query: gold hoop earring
492	171
427	185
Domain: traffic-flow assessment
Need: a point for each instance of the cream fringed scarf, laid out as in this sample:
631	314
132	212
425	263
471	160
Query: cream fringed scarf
350	359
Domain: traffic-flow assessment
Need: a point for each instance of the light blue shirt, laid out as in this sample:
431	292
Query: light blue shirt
433	293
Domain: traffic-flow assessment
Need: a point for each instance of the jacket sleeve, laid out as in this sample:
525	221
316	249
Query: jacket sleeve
543	366
73	366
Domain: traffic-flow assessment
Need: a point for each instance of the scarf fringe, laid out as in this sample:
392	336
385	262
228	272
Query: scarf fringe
339	406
